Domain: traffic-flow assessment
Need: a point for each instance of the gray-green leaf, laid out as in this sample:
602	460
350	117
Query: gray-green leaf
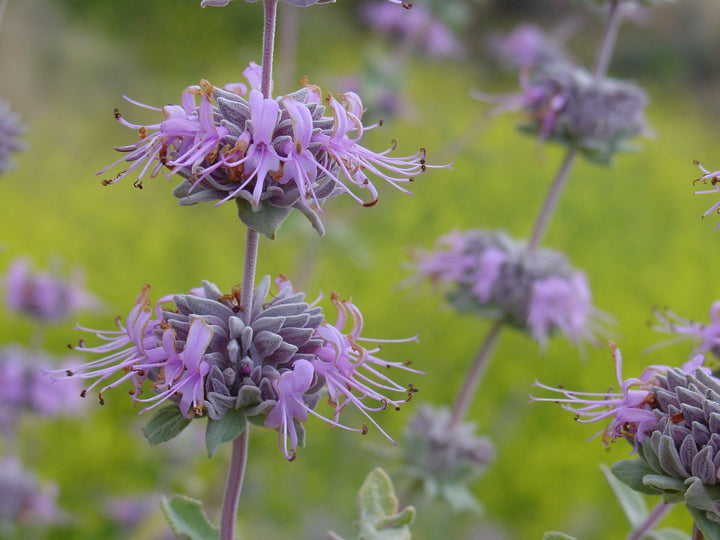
226	429
186	517
266	220
630	500
165	424
555	535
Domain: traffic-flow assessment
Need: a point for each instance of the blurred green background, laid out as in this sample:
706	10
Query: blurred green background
634	228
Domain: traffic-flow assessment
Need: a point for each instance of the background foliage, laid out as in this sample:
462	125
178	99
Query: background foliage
634	228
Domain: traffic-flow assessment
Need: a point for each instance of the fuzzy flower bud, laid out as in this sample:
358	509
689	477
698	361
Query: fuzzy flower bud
269	155
201	352
11	128
445	457
493	275
46	295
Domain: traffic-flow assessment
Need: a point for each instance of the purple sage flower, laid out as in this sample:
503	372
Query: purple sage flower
274	154
298	3
46	295
714	179
420	26
493	275
11	128
202	353
24	501
526	46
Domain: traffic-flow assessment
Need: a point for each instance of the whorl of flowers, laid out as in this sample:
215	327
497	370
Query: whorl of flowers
444	456
494	276
567	104
526	46
298	3
26	389
287	152
672	416
706	335
47	296
200	351
11	128
24	501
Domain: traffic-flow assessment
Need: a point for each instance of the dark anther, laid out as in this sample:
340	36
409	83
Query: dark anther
101	400
138	184
364	429
69	372
371	203
83	393
117	114
411	388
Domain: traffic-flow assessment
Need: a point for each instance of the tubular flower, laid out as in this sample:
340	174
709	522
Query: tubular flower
46	295
287	152
494	276
707	336
714	178
203	353
636	410
11	128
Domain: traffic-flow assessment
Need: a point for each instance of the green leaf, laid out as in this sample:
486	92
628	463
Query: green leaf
667	484
555	535
710	529
668	533
631	472
186	517
226	429
379	518
265	220
165	424
630	500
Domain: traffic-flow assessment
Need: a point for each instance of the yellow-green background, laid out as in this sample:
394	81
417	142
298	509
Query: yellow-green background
634	228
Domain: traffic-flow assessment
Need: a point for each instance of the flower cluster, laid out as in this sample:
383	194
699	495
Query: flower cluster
200	351
444	456
23	499
494	276
526	46
26	389
10	130
421	25
569	105
285	152
46	295
671	416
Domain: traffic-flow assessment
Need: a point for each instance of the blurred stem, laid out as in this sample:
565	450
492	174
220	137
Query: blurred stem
651	521
608	44
475	374
289	25
696	534
234	485
3	3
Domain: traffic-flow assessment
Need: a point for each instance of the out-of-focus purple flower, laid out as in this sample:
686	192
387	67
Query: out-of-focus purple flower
201	352
419	26
24	501
526	46
285	152
635	410
46	295
706	335
566	104
492	275
26	389
299	3
11	128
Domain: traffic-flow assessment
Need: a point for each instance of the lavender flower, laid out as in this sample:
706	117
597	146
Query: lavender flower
23	500
707	335
492	275
46	295
567	104
268	155
27	389
714	178
526	46
445	457
421	25
299	3
11	128
205	355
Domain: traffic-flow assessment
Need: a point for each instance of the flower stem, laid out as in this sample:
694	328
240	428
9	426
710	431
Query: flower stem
608	44
651	521
234	486
268	46
474	375
696	534
3	3
248	282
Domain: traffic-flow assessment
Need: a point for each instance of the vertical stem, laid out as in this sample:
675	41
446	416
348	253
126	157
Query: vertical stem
268	46
474	376
234	486
551	200
288	47
248	282
608	45
3	3
651	521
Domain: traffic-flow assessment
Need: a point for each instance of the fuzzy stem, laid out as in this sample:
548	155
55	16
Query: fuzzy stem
289	24
248	283
234	486
268	46
474	375
651	521
608	44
